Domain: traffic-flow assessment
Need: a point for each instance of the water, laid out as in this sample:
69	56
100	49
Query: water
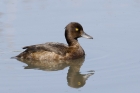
112	61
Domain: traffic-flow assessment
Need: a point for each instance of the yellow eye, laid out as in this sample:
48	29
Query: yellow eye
76	29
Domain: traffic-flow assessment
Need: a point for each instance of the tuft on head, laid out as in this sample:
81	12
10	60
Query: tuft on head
74	25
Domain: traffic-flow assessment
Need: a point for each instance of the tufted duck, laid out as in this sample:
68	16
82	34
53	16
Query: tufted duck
58	51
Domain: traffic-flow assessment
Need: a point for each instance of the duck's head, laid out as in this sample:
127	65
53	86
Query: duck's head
73	31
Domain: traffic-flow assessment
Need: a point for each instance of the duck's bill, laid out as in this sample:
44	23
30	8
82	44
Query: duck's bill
86	36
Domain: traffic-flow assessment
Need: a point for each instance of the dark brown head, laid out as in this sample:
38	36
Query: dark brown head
73	31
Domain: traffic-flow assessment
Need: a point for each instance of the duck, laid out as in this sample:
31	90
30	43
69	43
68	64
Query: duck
58	51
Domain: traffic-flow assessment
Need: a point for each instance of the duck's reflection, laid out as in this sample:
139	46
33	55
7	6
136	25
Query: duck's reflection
74	78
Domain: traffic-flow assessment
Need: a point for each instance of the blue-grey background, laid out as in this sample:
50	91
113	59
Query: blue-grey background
114	53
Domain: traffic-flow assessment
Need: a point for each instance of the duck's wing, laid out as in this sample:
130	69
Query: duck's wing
58	48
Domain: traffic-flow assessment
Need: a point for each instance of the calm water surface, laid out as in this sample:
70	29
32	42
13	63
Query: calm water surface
112	61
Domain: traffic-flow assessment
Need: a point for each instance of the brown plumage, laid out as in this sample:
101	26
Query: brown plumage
58	51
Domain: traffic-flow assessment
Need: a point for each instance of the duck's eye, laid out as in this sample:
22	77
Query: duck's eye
76	29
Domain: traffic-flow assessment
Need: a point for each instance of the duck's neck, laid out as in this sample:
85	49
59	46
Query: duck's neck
70	40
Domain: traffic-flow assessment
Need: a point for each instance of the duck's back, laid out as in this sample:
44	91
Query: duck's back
44	51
